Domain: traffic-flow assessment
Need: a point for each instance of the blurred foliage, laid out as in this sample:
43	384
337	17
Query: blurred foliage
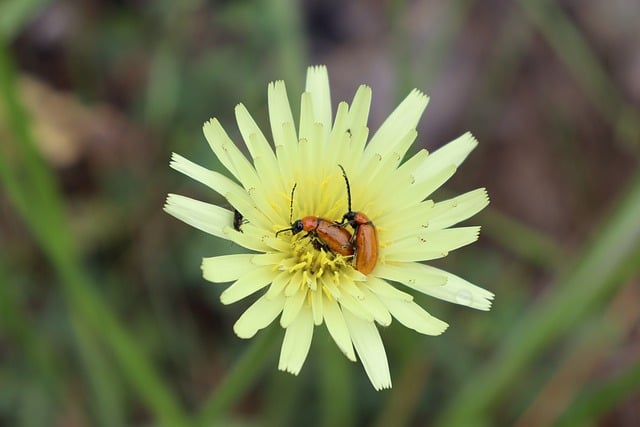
104	317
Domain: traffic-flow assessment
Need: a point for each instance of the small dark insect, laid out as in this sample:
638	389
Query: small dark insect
364	234
325	234
238	220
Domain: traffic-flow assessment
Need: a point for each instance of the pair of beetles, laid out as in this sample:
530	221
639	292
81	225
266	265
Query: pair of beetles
334	237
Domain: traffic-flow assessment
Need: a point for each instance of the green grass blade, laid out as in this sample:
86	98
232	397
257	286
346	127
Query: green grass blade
14	15
106	401
23	334
530	245
335	383
597	401
574	51
43	213
244	373
608	260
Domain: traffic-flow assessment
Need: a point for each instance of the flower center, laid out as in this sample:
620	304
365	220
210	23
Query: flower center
315	261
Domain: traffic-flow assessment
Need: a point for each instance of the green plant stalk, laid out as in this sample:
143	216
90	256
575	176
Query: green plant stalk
399	40
401	405
163	86
14	15
521	240
336	384
282	17
26	336
106	400
598	273
283	397
133	361
597	401
32	191
589	343
244	373
434	59
574	51
40	205
503	62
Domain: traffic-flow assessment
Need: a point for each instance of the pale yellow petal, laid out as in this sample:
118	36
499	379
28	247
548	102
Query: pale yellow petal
279	113
357	126
318	86
297	340
204	216
331	286
402	120
278	284
374	306
251	212
405	221
307	119
292	307
458	290
338	138
411	274
226	268
384	290
337	327
430	245
388	161
219	183
359	111
296	284
421	189
452	211
214	180
252	281
413	316
310	150
253	137
368	345
287	155
229	154
251	237
258	316
412	163
348	302
451	154
317	306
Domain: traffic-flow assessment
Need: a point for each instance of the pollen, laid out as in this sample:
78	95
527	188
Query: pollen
314	263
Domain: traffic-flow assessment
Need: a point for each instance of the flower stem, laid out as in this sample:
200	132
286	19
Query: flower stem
243	374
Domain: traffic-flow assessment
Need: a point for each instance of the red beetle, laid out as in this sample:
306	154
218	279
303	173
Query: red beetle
364	234
325	234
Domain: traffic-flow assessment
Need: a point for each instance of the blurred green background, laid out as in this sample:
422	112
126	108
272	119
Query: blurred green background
104	317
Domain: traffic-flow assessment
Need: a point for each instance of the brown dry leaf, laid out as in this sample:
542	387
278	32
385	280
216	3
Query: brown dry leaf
66	130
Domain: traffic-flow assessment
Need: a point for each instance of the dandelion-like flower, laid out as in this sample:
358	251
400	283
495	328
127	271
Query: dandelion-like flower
299	278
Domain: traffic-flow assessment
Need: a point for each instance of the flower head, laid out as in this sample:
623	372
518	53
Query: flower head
301	278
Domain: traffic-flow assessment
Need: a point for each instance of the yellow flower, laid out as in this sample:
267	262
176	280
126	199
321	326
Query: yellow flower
293	276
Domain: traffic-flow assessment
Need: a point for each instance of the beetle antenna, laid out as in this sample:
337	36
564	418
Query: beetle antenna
346	180
283	230
293	190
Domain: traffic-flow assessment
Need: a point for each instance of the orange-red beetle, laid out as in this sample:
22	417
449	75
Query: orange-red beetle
364	233
325	234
